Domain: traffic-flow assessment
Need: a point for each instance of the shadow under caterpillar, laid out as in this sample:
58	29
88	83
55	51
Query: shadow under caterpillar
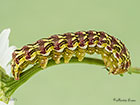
114	53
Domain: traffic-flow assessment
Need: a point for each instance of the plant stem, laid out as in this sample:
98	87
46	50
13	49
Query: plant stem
8	85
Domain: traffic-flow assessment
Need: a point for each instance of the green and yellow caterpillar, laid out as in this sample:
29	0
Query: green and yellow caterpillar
114	53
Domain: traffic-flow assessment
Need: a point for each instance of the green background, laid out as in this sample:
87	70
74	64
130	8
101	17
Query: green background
75	84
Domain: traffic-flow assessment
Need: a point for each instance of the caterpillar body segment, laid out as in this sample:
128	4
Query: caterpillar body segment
114	53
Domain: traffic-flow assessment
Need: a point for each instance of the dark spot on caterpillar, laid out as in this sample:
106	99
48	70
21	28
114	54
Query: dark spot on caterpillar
117	55
18	50
17	61
114	53
42	49
109	48
28	56
99	43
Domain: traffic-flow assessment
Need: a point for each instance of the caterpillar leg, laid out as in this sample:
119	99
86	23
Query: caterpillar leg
80	53
56	56
90	50
67	55
43	61
105	58
108	63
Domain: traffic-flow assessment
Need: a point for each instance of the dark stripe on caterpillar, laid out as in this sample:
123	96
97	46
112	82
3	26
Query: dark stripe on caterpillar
114	53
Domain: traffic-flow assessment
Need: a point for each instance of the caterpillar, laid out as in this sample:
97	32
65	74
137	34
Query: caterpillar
115	55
